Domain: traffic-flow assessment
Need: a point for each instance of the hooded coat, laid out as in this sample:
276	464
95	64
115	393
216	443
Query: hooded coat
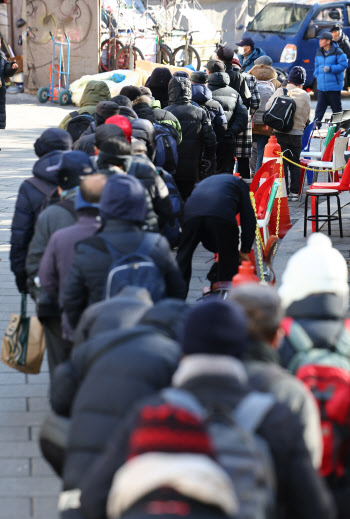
155	114
95	91
248	62
5	70
158	84
143	130
30	199
197	132
235	111
337	62
87	277
105	377
203	96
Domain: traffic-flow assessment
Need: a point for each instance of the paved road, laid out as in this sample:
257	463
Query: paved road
28	488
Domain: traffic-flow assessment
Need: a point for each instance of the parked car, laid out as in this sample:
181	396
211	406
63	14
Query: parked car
287	31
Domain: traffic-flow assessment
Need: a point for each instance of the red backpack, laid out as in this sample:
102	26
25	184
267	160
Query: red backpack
324	372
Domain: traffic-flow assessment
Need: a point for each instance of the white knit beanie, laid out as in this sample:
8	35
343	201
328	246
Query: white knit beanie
315	269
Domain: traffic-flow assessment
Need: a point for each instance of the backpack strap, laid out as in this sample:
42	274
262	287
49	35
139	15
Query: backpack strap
252	410
68	205
45	188
182	398
73	114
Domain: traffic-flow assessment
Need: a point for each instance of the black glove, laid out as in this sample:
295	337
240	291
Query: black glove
21	282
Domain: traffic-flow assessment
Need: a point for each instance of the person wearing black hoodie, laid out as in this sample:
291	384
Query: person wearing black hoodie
158	84
31	195
198	137
235	111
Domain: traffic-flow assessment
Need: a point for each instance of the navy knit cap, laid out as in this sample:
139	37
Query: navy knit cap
72	166
297	76
123	198
53	139
215	327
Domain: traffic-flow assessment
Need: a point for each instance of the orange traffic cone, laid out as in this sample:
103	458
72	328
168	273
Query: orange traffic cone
245	274
285	223
270	149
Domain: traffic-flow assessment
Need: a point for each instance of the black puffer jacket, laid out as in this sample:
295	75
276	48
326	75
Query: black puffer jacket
86	281
158	84
238	83
197	131
98	393
5	70
143	131
235	111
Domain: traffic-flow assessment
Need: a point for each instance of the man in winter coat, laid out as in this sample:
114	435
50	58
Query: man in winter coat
316	299
235	111
330	63
341	39
95	91
203	96
198	137
114	156
210	218
143	130
31	196
123	210
146	109
214	340
158	83
237	80
291	142
128	364
58	256
264	71
249	53
262	306
7	69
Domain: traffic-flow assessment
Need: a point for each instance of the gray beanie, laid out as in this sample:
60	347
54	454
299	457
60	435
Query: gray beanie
263	60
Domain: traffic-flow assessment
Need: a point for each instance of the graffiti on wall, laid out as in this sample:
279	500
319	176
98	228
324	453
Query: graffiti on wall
71	17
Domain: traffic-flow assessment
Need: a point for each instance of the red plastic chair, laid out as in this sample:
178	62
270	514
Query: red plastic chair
267	167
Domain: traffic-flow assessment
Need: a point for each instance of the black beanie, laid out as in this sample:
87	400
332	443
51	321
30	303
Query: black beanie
130	91
214	65
105	109
199	77
297	76
225	53
121	100
107	131
215	327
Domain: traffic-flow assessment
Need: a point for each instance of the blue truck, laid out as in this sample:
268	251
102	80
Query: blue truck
287	32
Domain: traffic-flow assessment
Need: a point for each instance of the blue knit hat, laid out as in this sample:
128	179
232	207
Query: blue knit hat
297	76
123	198
215	327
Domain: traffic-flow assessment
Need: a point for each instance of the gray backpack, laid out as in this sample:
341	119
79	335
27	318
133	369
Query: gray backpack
239	450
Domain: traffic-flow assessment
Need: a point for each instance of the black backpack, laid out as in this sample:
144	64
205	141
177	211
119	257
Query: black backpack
79	124
280	116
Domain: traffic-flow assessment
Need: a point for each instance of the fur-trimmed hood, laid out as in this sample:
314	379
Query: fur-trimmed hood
263	72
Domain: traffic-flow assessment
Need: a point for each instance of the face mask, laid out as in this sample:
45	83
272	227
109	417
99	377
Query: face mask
240	50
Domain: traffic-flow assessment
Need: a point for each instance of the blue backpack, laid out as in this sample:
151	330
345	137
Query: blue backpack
172	231
166	151
135	269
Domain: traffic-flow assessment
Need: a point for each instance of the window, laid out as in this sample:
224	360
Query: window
330	16
285	19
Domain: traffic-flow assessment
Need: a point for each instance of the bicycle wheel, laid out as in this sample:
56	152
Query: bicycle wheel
166	56
193	57
123	57
108	61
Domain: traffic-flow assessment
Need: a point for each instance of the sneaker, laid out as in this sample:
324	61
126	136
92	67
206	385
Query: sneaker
293	197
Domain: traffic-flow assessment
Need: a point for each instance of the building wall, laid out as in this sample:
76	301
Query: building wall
79	19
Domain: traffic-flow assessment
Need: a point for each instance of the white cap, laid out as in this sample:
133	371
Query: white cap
315	269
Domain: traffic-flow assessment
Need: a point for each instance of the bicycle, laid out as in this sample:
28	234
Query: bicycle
111	46
127	56
164	55
186	54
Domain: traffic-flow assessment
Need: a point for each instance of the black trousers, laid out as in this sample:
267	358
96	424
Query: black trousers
243	167
291	144
216	235
325	99
225	155
58	349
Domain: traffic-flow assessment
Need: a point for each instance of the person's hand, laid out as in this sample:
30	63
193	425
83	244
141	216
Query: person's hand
244	256
14	66
326	69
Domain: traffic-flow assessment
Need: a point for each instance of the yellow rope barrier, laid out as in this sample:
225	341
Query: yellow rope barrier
259	240
310	169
